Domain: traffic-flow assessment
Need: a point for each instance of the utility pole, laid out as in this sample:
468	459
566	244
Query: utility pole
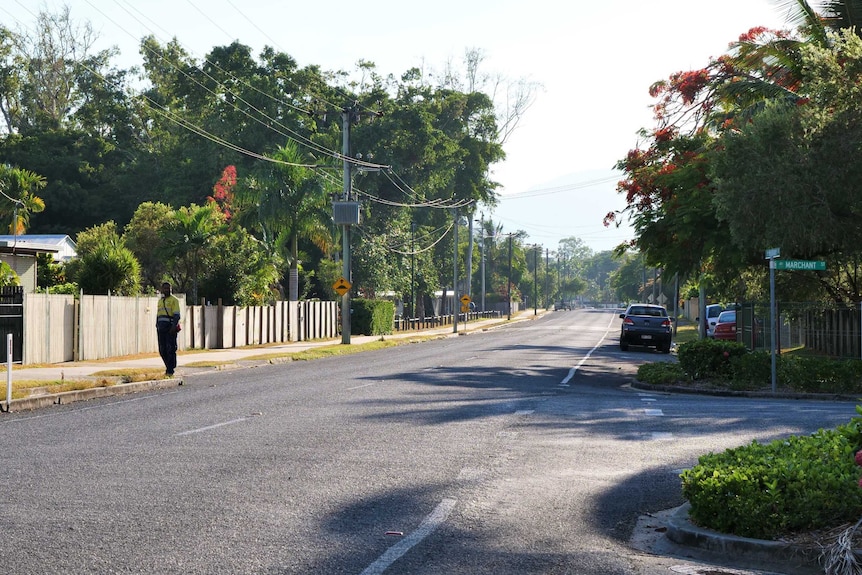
509	284
482	224
547	275
469	291
455	275
413	270
346	119
346	214
535	279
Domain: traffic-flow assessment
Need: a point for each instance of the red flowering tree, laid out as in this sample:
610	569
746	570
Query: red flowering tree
669	193
223	192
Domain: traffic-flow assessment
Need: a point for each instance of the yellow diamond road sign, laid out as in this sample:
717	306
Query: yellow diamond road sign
465	299
341	286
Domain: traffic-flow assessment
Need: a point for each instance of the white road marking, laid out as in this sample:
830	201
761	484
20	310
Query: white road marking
524	411
661	436
360	386
215	426
428	526
574	370
654	412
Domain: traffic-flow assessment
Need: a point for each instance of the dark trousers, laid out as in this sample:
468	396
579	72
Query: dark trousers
168	348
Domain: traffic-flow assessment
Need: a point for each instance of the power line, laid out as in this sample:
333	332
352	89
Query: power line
559	189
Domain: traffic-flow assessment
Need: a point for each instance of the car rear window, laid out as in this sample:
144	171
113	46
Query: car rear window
650	311
727	316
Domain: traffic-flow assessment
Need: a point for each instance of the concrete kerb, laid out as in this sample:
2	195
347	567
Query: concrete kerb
48	399
791	559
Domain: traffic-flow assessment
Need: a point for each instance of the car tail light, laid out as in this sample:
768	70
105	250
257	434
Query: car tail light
629	321
665	323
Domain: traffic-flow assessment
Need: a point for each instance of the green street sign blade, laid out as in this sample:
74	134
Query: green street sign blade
805	265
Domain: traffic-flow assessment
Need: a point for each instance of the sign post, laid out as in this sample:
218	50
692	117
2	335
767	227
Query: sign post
465	309
776	264
771	255
8	371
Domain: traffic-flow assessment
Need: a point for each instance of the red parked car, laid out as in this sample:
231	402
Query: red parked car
725	327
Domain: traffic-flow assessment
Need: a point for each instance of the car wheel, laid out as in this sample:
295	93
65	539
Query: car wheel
665	348
624	346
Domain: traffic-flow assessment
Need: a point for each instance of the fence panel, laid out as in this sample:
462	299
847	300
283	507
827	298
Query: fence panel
49	328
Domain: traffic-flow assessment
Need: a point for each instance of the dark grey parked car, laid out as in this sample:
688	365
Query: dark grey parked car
647	325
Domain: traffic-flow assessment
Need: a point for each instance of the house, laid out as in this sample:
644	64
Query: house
20	253
66	249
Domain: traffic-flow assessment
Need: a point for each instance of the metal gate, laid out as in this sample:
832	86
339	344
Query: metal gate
12	321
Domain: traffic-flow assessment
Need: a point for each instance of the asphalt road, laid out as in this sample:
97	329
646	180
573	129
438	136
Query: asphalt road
519	450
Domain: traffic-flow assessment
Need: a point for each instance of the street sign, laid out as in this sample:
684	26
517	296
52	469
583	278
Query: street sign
807	265
341	286
465	308
773	253
465	300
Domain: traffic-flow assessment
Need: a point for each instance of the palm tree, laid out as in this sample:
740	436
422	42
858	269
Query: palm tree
288	200
190	232
18	197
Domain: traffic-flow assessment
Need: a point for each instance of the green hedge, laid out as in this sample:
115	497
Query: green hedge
705	358
730	362
372	317
787	486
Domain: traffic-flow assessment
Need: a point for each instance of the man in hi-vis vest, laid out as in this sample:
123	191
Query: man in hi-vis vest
167	326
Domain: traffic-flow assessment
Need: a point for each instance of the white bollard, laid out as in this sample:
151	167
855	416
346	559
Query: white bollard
8	370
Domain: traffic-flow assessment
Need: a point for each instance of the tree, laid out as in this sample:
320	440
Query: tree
189	235
18	189
286	201
239	270
146	235
784	180
104	263
669	186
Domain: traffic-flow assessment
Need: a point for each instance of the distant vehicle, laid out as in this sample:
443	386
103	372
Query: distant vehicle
647	325
725	326
712	313
561	305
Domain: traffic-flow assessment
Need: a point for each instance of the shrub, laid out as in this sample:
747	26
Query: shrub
705	358
818	374
372	317
754	368
790	485
660	373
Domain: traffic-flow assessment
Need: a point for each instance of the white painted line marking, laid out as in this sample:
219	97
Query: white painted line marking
209	427
428	526
655	412
525	411
359	386
648	399
574	370
661	436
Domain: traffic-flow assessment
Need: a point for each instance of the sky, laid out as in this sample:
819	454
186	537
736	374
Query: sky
593	60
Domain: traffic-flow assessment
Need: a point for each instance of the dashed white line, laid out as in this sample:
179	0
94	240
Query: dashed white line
215	426
428	526
574	370
359	386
